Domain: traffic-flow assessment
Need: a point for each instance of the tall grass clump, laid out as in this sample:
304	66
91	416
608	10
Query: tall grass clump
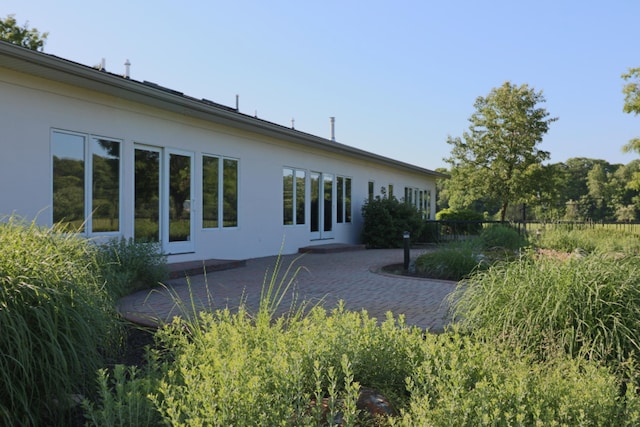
459	259
503	237
451	261
56	322
128	266
589	240
585	305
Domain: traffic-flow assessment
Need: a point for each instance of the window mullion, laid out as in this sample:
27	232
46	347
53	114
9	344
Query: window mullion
88	186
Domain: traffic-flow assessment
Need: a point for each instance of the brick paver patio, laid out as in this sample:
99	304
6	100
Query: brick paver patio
353	276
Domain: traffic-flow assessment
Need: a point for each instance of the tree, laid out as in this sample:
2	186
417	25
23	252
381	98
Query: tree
11	32
631	92
498	158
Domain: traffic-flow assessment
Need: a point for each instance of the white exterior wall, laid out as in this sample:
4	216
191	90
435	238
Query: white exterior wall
31	107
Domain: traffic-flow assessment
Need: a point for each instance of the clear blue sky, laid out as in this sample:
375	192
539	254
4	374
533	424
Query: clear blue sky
399	76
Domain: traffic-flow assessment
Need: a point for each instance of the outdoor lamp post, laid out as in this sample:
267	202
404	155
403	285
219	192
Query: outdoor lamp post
405	238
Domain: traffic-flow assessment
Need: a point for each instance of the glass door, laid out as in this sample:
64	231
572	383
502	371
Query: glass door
147	184
178	208
163	198
322	198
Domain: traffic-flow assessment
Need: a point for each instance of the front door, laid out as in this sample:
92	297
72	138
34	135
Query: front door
321	205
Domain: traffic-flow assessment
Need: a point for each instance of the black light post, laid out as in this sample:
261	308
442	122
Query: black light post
405	238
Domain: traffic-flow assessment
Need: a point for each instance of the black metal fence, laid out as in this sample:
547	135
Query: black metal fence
451	230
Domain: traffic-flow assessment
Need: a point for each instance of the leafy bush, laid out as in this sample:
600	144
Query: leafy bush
223	368
586	306
123	397
128	266
450	214
237	372
385	221
462	381
236	369
56	322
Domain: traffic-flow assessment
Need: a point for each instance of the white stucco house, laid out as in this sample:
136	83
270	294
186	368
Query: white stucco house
110	156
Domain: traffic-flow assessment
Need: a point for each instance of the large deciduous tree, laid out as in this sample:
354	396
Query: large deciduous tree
631	92
498	160
24	36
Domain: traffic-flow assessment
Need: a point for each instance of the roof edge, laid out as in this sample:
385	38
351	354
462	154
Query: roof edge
58	69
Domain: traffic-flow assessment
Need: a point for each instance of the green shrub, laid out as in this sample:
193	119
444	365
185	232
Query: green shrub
56	322
585	305
463	381
460	221
128	266
237	372
385	221
223	368
123	399
234	369
450	214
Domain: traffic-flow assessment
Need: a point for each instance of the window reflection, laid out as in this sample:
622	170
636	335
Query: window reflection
68	180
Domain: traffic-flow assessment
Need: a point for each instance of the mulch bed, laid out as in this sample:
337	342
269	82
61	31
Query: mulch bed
138	338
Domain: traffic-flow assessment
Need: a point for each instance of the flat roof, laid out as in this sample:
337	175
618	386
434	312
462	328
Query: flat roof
62	70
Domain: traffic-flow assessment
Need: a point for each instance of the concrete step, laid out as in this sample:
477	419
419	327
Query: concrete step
331	248
194	268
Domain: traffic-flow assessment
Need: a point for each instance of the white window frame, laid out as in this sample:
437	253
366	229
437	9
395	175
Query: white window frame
220	190
88	179
295	197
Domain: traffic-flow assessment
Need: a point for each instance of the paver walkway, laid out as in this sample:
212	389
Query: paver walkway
354	277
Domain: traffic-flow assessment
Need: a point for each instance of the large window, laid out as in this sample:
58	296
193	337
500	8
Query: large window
219	192
210	191
421	199
230	193
344	199
86	182
293	196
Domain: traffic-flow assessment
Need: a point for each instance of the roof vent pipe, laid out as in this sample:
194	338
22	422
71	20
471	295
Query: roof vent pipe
127	69
103	65
333	128
237	102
